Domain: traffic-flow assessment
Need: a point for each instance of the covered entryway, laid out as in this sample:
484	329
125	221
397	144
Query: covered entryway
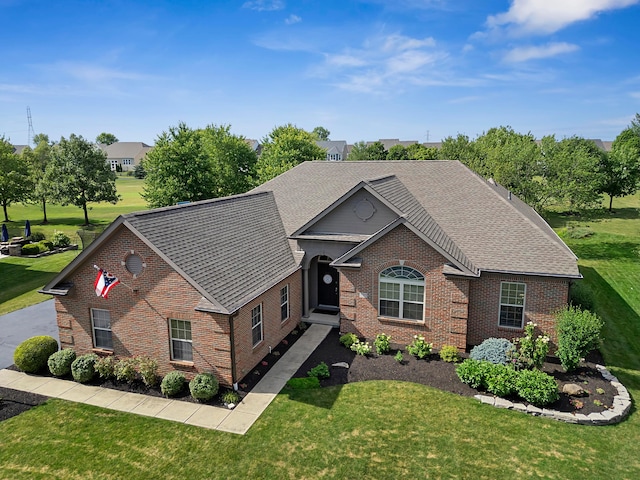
328	287
323	290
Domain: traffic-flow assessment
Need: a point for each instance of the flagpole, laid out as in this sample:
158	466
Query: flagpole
121	282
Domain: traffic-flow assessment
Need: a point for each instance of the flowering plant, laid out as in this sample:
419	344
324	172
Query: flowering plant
419	348
529	352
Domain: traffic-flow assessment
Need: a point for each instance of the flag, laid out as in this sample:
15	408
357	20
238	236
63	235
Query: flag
104	282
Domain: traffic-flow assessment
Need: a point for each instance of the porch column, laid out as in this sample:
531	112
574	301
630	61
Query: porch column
305	291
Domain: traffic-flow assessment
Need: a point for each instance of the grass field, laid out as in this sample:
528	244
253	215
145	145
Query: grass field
372	429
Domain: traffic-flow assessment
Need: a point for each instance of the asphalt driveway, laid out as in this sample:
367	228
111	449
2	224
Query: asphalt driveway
15	327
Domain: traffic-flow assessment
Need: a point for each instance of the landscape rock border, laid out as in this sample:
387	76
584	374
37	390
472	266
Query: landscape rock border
618	411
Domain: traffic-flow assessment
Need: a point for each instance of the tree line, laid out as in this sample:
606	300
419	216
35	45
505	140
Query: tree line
189	164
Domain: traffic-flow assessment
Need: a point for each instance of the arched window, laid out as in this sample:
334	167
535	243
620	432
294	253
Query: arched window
401	293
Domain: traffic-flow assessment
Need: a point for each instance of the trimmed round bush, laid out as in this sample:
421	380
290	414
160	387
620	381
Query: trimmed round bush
83	367
537	387
31	355
60	362
492	350
37	236
106	367
60	240
348	339
203	387
474	372
30	249
172	383
450	353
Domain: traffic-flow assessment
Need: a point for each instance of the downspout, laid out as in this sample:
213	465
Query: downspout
232	342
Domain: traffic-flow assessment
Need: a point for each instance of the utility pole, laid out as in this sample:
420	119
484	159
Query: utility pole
31	133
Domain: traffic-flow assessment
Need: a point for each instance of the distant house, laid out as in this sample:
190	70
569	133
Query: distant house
17	149
391	142
336	149
405	248
125	154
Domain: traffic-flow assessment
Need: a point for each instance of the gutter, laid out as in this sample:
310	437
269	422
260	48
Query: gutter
232	344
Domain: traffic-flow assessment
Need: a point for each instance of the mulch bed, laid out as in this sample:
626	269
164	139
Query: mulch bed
441	375
432	372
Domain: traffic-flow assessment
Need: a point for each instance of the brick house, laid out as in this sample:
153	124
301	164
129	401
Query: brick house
404	248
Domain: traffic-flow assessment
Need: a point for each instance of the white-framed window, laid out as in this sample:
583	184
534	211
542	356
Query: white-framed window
114	165
401	293
284	303
127	161
512	296
181	345
256	325
101	326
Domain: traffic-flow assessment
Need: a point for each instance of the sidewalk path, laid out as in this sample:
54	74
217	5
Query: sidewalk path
238	420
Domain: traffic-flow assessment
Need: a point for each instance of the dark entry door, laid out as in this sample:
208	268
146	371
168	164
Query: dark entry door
327	286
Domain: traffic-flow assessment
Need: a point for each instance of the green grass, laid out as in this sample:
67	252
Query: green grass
370	429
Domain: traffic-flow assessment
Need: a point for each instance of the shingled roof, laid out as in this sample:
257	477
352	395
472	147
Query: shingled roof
492	229
230	249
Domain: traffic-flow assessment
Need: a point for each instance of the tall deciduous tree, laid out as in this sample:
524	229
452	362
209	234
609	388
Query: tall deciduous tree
321	133
37	160
397	152
358	151
376	151
106	138
284	148
192	165
79	174
621	167
14	177
417	151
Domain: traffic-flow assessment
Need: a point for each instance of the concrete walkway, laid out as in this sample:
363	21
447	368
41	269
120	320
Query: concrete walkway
238	420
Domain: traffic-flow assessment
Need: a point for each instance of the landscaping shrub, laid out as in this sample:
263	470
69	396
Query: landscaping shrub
474	372
450	354
305	383
37	236
399	357
382	343
578	333
580	295
419	348
125	370
60	240
230	396
501	380
31	356
537	387
45	246
492	350
60	362
30	249
106	366
148	370
319	371
361	348
529	352
172	383
83	367
348	339
203	387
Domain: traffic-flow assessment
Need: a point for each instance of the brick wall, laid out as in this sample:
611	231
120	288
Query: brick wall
446	299
458	311
544	295
140	309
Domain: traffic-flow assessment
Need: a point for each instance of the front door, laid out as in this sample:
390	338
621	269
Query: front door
327	286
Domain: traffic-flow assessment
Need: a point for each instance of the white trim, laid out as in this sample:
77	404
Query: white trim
286	302
258	310
94	328
401	301
500	305
182	340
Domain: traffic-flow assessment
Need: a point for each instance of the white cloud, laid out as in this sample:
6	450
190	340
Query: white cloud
264	5
549	16
292	19
523	54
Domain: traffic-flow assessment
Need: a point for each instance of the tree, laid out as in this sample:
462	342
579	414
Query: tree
358	151
37	160
284	148
40	137
14	177
621	167
192	165
321	133
462	149
635	124
397	152
106	138
417	151
78	173
376	151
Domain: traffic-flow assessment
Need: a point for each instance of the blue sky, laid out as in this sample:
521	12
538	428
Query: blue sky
364	69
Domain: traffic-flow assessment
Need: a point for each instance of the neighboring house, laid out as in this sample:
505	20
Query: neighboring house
405	248
390	142
17	149
125	154
336	149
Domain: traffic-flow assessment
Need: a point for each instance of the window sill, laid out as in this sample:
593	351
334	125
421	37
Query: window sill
103	352
402	321
510	329
181	363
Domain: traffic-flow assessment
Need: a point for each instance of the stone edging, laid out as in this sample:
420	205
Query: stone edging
618	411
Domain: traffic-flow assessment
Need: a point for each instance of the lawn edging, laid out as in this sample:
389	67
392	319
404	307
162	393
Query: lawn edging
619	410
